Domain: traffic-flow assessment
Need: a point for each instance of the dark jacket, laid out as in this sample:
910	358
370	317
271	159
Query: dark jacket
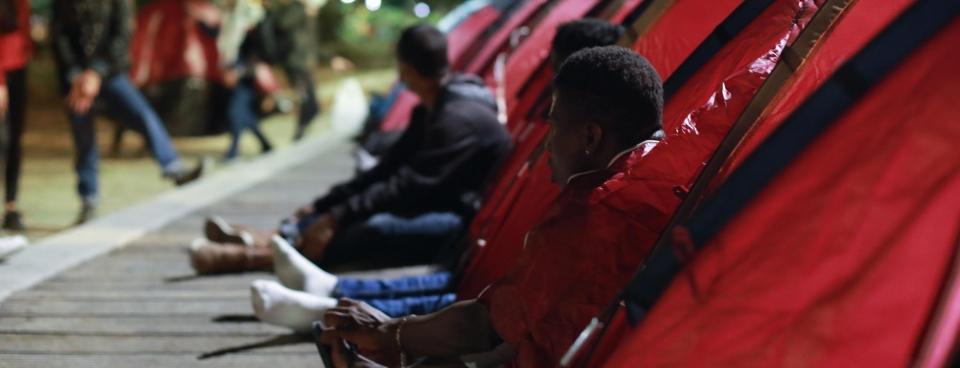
287	36
442	162
92	34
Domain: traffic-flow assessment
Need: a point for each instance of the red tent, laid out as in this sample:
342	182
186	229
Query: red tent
804	246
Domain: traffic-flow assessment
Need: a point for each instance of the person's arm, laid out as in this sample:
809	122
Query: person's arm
398	153
418	183
462	328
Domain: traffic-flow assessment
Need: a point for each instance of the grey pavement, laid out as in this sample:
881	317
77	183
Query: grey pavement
130	299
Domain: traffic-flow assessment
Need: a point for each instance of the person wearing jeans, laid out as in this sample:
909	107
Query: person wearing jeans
15	51
91	47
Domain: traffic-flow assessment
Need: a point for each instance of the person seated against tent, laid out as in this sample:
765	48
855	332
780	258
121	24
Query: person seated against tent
607	107
414	202
304	291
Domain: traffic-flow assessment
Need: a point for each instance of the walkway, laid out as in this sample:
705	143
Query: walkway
139	305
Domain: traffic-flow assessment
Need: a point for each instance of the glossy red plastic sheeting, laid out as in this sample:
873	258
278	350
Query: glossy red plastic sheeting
847	36
839	261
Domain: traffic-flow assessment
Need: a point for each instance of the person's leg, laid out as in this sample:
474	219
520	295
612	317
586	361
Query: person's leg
305	88
405	306
393	240
86	162
17	88
275	304
128	104
241	116
419	285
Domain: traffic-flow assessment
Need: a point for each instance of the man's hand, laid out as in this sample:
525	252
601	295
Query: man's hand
84	91
367	328
4	100
317	236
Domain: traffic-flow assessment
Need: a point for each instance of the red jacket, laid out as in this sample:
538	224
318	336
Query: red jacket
574	262
16	48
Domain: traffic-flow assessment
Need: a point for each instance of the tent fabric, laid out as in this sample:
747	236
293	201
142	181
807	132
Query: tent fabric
505	244
802	275
859	25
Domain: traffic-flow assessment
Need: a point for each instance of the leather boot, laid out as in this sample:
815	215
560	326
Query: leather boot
230	258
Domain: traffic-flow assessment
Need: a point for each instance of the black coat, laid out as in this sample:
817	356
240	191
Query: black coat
91	34
442	162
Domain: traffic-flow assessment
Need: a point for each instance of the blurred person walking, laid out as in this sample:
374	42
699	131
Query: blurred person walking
16	49
238	57
287	40
90	41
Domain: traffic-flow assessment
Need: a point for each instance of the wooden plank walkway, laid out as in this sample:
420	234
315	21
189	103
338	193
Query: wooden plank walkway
141	306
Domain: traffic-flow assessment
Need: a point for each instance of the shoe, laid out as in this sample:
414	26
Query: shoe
300	132
11	244
13	221
87	213
184	177
208	258
219	231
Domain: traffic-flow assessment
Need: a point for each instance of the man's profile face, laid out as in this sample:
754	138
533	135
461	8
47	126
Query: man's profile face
565	141
409	76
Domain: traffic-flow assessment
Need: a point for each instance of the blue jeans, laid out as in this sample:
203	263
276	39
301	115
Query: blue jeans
125	103
402	296
241	115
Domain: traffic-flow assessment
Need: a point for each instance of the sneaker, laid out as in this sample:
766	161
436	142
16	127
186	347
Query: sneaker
219	231
13	221
184	177
11	244
87	212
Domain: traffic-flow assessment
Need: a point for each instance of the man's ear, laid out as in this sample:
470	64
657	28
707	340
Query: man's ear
593	134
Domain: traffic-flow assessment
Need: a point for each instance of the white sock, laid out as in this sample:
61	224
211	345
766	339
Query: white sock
297	272
277	305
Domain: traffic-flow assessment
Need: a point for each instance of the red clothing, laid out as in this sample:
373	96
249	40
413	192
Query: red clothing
16	47
575	261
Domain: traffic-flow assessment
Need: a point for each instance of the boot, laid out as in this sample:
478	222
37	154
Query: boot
209	258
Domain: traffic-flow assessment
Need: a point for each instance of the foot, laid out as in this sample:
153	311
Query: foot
87	213
219	231
183	177
11	244
277	305
301	131
208	258
297	272
13	221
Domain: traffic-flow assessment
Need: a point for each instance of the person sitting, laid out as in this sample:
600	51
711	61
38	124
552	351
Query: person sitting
414	201
304	291
607	106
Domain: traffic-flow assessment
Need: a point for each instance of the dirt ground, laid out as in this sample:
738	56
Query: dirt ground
48	197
